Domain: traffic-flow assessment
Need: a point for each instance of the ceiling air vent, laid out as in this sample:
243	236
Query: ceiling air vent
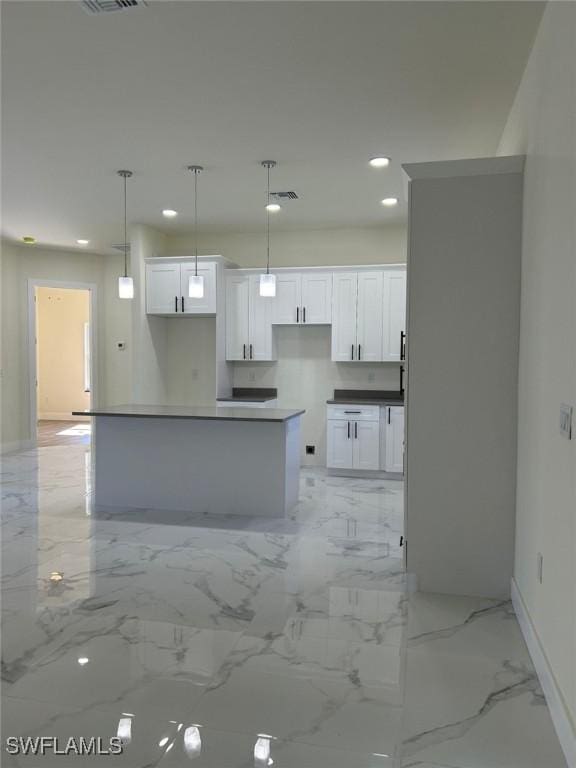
108	6
283	196
120	247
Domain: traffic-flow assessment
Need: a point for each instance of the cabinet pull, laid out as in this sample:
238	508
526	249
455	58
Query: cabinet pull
352	411
402	345
243	351
303	314
356	430
389	412
348	430
359	349
250	351
297	314
402	378
175	303
182	303
352	351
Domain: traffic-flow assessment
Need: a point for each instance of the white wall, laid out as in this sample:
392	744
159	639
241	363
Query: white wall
19	263
301	248
463	334
542	124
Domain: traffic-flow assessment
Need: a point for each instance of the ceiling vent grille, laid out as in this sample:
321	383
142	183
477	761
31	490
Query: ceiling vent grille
109	6
121	247
283	196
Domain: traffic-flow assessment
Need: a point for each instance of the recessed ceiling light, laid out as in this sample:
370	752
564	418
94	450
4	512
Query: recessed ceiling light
29	240
380	162
273	207
169	213
390	201
83	660
81	241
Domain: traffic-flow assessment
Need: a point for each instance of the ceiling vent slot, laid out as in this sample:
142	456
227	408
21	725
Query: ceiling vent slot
283	196
109	6
121	247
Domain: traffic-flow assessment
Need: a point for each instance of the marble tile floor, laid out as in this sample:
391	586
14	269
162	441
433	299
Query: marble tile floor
233	643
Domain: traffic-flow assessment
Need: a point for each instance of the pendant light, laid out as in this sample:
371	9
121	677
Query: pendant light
268	281
125	284
196	281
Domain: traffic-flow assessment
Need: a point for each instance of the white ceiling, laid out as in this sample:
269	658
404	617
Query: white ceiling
319	87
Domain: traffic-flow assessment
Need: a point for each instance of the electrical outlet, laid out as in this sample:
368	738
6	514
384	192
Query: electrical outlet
566	421
310	450
539	566
252	376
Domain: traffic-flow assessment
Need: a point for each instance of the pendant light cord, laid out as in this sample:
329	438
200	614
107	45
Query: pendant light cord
196	222
268	224
125	231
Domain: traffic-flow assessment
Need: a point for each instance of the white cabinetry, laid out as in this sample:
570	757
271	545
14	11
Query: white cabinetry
167	288
248	320
394	306
353	437
357	316
303	298
394	438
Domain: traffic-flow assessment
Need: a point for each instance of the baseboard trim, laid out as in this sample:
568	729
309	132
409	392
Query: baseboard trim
558	709
56	416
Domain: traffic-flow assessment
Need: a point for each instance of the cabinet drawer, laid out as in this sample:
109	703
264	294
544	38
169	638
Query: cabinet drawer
352	412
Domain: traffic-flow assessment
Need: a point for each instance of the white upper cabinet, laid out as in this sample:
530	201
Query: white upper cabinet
167	288
207	304
248	320
303	298
345	299
237	307
286	309
316	298
369	317
162	288
394	313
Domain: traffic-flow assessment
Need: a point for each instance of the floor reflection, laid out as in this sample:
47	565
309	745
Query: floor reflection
241	642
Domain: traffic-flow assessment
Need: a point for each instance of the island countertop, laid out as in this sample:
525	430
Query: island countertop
192	412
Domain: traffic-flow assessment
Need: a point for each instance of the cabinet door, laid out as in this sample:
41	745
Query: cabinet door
339	444
366	445
260	341
286	309
163	288
316	298
370	316
207	304
394	439
237	303
344	299
394	312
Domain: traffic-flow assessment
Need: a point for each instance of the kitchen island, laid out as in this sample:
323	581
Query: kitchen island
213	461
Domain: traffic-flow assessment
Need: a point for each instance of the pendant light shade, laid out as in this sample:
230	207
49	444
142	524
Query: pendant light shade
267	280
125	283
267	285
192	741
196	281
125	288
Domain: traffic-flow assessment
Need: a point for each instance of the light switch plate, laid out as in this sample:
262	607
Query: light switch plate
566	421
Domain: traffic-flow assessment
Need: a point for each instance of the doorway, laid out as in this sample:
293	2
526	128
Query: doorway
61	362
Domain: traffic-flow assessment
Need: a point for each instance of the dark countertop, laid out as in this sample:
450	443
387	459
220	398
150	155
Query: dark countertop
250	395
367	397
192	412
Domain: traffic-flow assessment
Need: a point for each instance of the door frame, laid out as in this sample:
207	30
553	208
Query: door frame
38	282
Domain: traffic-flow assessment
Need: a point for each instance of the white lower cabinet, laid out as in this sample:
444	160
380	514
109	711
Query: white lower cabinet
353	437
365	437
394	438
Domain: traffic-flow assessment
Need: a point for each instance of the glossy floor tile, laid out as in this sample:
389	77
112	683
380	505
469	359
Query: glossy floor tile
236	642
